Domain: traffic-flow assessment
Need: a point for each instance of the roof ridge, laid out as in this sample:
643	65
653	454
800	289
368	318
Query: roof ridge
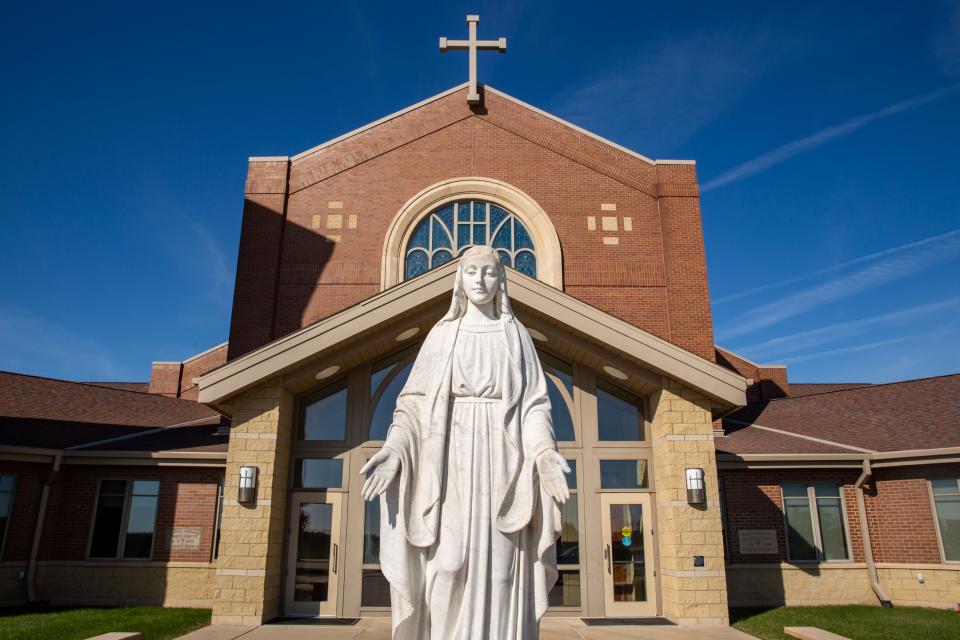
867	386
143	431
94	386
803	436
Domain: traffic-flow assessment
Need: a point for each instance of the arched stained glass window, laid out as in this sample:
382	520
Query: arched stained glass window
455	227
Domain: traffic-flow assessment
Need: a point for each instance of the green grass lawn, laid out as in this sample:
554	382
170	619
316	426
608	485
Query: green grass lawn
853	621
155	623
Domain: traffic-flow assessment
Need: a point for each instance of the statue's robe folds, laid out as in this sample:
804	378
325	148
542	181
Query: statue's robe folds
441	570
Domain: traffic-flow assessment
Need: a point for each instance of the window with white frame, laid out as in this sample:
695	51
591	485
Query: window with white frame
946	501
815	522
7	483
125	519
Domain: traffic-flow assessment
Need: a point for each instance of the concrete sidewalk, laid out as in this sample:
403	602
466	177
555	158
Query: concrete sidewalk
379	629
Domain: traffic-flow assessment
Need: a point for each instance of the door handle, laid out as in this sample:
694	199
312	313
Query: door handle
336	553
609	557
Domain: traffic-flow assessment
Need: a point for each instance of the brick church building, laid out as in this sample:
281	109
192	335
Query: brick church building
814	493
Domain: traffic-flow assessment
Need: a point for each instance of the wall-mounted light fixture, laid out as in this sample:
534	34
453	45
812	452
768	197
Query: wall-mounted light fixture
247	493
696	487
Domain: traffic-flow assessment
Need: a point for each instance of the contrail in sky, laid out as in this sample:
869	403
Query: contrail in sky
837	267
893	268
781	154
834	332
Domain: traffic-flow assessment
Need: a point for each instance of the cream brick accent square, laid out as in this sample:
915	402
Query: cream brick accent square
316	222
611	240
335	204
627	223
608	206
352	221
591	223
334	221
609	223
334	237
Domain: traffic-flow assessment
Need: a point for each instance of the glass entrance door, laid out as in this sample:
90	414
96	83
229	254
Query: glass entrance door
629	581
313	554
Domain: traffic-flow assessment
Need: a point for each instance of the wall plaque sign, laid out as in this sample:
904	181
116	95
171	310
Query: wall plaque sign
185	538
758	541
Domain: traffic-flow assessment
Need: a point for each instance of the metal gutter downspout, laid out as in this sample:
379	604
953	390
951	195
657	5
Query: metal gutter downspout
38	531
865	532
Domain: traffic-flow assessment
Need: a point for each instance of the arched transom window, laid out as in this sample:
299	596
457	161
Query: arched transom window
453	228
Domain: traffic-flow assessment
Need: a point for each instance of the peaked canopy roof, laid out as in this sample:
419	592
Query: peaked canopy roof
289	354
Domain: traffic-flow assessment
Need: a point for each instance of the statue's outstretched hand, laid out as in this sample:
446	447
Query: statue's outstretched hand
552	468
383	467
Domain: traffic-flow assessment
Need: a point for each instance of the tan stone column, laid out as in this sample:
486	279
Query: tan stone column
248	581
683	438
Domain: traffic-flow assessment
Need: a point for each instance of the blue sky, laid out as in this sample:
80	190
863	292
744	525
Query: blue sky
825	134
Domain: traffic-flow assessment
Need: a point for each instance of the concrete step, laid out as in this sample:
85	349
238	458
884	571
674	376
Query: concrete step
117	635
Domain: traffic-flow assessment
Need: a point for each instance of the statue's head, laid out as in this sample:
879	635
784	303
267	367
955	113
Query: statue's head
481	279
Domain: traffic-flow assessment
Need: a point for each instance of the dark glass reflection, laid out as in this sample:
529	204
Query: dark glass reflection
141	519
383	413
326	418
108	519
320	473
568	546
566	593
312	579
371	532
623	474
628	558
619	419
375	589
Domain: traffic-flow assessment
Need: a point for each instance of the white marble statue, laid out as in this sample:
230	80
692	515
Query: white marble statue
469	477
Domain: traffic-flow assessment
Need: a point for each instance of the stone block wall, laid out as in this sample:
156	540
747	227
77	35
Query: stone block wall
940	586
762	585
168	584
683	438
249	569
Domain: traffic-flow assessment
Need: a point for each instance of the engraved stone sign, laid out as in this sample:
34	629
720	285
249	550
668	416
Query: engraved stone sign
758	541
185	538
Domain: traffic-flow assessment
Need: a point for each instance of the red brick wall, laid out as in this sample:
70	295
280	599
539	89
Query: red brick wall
187	499
289	275
768	381
175	379
900	515
752	500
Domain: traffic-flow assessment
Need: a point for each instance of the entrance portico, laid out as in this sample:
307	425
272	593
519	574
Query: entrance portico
632	412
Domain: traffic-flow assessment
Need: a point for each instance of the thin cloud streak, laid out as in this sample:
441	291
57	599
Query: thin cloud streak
783	153
33	344
892	269
837	267
868	346
674	88
834	332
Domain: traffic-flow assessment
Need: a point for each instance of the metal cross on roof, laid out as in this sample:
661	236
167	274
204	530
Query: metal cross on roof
473	45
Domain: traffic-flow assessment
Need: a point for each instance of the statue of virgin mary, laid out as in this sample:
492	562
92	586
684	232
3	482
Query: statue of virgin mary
469	477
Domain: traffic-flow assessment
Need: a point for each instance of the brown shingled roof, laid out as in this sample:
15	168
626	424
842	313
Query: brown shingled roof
899	416
142	387
50	413
798	389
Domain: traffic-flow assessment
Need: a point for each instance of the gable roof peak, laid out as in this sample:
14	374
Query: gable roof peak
459	88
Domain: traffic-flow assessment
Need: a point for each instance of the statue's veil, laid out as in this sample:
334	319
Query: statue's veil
501	303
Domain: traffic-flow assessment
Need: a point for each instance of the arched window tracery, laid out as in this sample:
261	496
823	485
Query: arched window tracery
451	229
